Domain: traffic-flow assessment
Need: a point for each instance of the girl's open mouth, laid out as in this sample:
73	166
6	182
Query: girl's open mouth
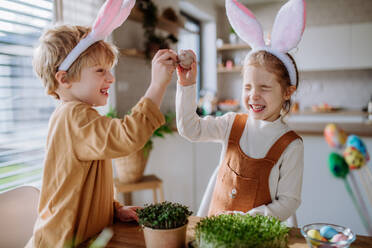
104	91
257	107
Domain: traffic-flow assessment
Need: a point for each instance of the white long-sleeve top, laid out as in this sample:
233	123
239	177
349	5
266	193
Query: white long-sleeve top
285	180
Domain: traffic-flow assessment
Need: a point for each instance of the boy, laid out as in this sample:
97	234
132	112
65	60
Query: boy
76	200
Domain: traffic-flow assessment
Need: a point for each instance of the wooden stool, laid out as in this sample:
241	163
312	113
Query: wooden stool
147	182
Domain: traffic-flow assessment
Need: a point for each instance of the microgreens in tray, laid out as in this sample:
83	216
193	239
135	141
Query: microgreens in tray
242	231
165	215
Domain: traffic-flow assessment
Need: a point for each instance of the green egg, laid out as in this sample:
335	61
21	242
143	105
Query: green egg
337	165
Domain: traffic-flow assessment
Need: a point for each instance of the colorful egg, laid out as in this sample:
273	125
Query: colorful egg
356	141
314	234
328	232
339	237
354	158
337	165
335	136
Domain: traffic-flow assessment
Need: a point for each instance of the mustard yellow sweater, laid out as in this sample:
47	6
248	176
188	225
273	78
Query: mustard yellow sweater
76	200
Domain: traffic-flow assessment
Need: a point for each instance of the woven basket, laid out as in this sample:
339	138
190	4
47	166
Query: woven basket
130	169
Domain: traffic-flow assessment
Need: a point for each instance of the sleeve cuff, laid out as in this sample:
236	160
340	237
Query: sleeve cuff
117	205
151	110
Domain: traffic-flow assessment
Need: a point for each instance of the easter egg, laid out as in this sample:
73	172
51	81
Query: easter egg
356	141
314	234
185	59
337	165
354	158
328	232
339	237
334	136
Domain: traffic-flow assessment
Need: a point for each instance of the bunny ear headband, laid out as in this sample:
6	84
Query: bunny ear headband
287	31
111	15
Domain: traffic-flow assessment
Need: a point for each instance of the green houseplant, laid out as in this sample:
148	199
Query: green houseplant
164	224
245	231
154	41
130	168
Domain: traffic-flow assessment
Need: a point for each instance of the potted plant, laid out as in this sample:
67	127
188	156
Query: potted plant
130	168
164	224
238	230
154	41
233	38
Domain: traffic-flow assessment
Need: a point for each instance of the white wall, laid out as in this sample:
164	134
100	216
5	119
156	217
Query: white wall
184	167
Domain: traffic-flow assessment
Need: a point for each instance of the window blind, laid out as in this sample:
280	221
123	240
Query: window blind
24	107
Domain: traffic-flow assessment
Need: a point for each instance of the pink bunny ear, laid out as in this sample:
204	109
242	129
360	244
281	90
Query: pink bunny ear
125	10
111	15
289	26
244	23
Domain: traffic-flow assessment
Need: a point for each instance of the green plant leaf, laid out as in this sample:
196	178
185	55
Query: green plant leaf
165	215
241	231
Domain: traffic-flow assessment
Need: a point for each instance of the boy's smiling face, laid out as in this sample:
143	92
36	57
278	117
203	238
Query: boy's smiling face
93	86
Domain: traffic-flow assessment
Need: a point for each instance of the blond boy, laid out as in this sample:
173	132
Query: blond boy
76	199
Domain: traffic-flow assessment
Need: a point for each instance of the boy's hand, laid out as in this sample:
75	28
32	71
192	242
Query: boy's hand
163	66
127	213
187	77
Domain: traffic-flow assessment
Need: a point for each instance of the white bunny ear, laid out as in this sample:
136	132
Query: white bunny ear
289	26
244	23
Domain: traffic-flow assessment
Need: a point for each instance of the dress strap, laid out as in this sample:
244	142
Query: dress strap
237	127
280	145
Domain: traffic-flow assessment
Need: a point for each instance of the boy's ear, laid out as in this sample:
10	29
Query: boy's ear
289	91
61	77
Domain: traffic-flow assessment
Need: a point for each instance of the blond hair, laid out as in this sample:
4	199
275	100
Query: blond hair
273	65
56	43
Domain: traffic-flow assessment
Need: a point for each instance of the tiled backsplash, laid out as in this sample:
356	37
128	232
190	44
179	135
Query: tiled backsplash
349	89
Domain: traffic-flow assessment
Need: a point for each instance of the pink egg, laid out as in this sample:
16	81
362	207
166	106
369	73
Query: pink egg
339	237
185	59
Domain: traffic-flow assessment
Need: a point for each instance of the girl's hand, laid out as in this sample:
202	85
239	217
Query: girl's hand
127	213
163	66
187	77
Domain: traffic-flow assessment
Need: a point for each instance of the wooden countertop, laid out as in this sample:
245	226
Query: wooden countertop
317	128
311	123
130	235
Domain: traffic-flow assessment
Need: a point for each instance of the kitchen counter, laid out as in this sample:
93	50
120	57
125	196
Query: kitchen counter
130	235
312	123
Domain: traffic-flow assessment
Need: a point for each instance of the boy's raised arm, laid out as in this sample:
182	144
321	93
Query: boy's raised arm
163	66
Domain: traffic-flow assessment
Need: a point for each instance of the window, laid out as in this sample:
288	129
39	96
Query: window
189	38
24	107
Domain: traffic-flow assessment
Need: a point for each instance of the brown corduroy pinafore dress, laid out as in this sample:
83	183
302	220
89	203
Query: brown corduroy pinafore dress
243	182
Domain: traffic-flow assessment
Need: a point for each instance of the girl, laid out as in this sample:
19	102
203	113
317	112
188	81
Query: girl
261	163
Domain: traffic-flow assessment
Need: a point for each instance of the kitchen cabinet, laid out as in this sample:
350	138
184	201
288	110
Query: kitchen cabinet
361	45
324	48
324	197
335	47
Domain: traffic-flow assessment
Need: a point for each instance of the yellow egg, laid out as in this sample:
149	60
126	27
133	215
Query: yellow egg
354	158
314	234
